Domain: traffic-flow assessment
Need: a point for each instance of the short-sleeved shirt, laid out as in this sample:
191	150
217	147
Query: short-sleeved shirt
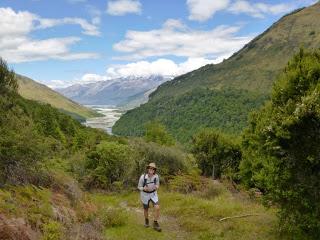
151	182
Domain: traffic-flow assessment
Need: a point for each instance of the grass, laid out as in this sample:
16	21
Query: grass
192	217
183	216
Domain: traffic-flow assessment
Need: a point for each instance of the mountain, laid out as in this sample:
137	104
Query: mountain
130	91
33	90
192	101
257	64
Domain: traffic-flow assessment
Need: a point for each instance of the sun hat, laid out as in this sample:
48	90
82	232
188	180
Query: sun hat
152	165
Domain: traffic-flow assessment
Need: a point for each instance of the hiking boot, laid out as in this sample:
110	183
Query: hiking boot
156	226
146	222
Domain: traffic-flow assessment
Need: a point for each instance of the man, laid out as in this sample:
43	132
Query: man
148	185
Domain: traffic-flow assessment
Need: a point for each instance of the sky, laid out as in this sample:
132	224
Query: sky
65	42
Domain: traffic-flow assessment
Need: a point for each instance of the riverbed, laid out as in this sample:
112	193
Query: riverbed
111	115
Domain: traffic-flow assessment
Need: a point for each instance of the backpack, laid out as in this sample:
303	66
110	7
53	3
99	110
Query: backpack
145	183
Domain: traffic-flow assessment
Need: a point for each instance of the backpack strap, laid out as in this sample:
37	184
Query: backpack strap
145	183
144	180
155	180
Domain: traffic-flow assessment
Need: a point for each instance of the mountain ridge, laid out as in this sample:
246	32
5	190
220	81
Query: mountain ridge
250	71
33	90
117	92
281	37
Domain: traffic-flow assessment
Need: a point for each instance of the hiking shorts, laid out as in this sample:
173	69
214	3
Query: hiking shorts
146	206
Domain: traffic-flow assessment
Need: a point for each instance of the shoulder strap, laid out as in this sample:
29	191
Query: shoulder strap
144	180
155	180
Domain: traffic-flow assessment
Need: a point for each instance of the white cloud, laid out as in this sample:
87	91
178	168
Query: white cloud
123	7
176	39
88	28
202	10
259	10
161	67
16	45
91	77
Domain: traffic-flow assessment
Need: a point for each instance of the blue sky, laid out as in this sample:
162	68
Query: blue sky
64	42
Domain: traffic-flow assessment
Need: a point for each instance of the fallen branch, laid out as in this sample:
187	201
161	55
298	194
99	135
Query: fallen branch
239	216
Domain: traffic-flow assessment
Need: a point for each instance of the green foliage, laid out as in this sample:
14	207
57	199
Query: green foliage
196	185
170	160
32	134
157	133
108	163
282	147
216	153
185	115
8	82
52	231
113	217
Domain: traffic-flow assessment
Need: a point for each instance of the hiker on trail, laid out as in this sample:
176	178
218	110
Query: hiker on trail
148	185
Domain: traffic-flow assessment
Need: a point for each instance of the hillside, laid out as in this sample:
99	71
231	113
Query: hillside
184	116
32	90
254	69
256	66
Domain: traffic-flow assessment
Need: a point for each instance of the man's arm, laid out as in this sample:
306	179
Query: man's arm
140	184
157	182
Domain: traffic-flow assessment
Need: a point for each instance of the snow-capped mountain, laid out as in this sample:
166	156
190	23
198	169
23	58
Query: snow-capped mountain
131	91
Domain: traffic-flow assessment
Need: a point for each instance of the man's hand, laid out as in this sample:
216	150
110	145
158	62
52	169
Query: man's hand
146	188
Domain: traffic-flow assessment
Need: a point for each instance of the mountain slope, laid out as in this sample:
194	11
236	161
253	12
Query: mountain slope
32	90
254	69
256	66
120	91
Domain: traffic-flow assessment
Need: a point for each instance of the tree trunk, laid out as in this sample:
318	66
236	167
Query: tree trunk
213	173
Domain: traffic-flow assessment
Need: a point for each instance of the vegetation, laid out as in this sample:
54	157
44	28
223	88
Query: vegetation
184	110
192	216
32	90
157	133
47	159
186	115
282	147
216	153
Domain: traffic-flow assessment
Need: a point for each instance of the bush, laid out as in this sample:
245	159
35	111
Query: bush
157	133
170	161
108	163
195	184
113	217
52	231
8	82
216	154
282	147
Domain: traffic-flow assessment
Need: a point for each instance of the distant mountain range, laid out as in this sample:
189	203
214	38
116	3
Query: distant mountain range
126	92
33	90
251	71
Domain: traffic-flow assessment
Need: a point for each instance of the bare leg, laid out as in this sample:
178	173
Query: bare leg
146	213
156	212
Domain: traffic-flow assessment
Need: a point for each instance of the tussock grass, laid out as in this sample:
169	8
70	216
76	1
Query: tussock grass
191	216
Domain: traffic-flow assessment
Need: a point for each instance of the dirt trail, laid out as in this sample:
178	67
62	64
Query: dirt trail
168	224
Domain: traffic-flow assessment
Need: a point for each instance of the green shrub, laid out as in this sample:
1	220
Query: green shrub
282	147
170	161
216	153
113	217
157	133
108	163
52	231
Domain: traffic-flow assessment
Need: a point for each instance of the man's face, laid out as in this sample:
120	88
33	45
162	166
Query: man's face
151	171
